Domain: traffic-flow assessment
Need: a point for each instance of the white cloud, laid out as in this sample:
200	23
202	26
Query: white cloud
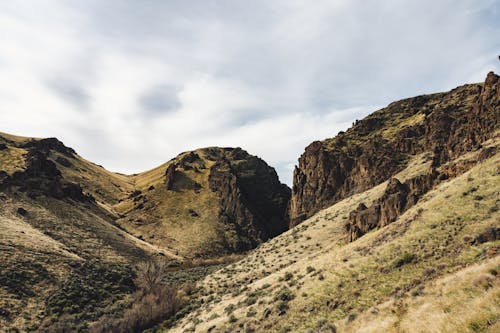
269	76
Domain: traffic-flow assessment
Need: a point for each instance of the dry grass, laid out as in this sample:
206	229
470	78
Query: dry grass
15	138
390	132
184	219
12	159
453	303
337	283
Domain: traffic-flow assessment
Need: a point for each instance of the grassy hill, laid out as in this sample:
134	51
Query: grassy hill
73	233
433	270
395	228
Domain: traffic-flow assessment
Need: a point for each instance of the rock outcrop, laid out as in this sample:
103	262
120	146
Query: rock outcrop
41	176
48	144
375	148
397	198
253	203
208	202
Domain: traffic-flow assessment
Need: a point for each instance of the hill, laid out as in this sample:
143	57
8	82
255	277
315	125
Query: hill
444	124
211	201
396	230
72	232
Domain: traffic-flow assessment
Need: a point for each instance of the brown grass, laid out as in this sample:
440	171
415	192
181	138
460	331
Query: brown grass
349	281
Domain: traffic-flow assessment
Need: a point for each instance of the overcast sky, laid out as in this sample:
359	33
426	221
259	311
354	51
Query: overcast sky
130	84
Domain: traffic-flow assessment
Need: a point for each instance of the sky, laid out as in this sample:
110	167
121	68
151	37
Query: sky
131	84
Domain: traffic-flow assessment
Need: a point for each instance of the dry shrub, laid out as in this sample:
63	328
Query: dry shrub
154	302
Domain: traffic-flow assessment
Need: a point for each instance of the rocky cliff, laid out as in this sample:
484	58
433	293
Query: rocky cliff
210	201
375	148
253	203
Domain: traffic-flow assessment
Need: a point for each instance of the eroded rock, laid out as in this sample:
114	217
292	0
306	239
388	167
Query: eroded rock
375	148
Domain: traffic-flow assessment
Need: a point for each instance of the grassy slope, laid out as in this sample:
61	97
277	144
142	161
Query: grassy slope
382	281
167	217
39	254
60	242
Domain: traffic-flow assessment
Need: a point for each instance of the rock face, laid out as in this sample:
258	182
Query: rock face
253	203
397	198
46	145
41	176
375	148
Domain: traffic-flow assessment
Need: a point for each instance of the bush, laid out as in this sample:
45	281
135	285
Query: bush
284	294
252	299
404	259
324	326
229	309
282	306
251	312
153	303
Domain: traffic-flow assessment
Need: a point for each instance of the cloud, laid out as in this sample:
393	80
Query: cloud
160	99
70	91
131	84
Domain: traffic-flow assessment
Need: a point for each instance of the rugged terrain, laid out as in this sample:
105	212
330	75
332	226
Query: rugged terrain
210	201
72	232
395	228
376	147
399	227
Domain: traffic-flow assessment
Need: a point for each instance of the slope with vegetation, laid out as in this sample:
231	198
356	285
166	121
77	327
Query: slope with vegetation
395	230
207	202
413	249
444	124
72	233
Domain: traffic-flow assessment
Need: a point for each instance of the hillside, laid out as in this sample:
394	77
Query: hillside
436	260
211	201
72	233
62	257
391	226
443	124
399	230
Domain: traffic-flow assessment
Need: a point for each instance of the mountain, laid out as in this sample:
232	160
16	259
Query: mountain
210	201
71	232
391	226
396	229
445	125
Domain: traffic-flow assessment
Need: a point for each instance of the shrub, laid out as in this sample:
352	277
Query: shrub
282	306
324	326
484	280
284	294
153	303
251	312
404	259
251	299
229	309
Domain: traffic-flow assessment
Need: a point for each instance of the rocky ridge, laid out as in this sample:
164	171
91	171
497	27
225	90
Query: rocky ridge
41	175
230	198
375	148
